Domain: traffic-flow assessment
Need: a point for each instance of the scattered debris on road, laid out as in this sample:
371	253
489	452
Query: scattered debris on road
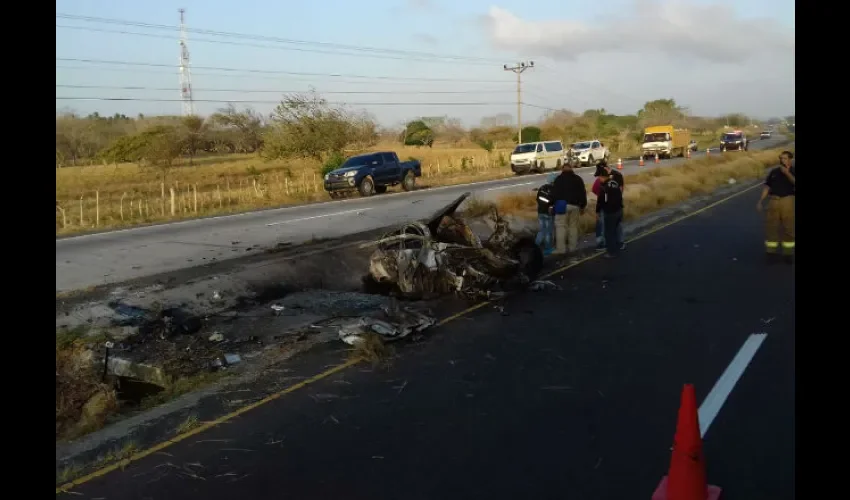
393	324
444	255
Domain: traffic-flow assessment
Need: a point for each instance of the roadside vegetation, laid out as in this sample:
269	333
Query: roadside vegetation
122	171
654	189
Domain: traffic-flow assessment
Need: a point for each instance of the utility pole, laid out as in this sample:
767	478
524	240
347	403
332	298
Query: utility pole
185	74
518	69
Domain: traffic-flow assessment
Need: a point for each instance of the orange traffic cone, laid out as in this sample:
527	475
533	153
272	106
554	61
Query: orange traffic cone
686	479
688	153
707	151
619	164
640	164
656	158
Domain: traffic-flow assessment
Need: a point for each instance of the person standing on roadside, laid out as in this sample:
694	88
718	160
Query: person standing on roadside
569	199
610	208
600	219
779	190
546	223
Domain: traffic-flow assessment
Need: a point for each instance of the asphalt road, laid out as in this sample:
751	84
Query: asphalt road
569	394
90	260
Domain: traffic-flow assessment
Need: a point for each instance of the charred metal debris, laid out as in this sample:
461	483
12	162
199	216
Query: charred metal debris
443	255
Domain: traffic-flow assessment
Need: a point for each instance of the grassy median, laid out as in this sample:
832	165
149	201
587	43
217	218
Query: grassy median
653	189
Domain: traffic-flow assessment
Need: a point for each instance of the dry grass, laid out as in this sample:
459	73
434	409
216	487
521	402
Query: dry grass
648	191
126	195
187	425
373	349
83	402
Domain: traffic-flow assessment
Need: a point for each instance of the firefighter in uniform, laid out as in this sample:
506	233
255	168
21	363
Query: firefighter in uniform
779	191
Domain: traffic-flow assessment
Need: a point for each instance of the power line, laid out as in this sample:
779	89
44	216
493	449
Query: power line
279	72
261	77
276	47
237	101
252	91
227	34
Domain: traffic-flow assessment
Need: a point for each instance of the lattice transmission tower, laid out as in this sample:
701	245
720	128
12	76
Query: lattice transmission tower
185	74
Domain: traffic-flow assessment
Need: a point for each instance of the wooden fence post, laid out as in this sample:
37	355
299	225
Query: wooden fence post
173	201
195	195
121	206
96	208
81	210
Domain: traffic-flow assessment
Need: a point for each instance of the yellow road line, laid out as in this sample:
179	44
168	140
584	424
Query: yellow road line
338	368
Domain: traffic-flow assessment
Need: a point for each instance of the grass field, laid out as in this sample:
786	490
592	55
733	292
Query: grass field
654	189
125	195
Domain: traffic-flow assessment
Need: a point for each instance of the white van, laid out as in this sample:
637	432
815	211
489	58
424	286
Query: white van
537	156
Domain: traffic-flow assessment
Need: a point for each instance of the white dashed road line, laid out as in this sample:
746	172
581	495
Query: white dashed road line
290	221
712	404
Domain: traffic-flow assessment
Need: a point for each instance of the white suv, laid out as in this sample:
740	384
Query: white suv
537	156
589	153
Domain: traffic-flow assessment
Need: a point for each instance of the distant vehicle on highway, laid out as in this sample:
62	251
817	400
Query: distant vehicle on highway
734	141
588	153
372	173
664	141
765	134
537	156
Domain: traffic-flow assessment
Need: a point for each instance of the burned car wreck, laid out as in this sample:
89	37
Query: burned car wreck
443	255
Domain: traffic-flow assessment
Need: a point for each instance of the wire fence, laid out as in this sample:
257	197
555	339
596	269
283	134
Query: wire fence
164	201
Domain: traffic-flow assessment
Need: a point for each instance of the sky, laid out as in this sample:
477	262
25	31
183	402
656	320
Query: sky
400	59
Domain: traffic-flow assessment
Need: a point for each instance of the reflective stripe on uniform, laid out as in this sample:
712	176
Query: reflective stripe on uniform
544	200
771	244
787	244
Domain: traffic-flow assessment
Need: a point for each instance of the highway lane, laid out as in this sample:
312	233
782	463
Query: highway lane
115	256
567	394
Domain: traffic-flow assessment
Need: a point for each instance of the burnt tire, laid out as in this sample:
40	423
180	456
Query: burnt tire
380	189
409	181
367	186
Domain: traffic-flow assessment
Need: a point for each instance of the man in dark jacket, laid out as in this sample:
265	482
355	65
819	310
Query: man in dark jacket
569	196
780	189
600	219
610	207
546	227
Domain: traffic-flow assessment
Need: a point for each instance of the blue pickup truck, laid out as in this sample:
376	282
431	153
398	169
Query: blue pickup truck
372	173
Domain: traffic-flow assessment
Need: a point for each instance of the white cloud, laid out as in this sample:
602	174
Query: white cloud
705	56
708	32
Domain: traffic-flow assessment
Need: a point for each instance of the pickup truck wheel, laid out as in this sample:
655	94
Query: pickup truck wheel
380	189
558	165
334	195
590	162
367	186
541	167
409	181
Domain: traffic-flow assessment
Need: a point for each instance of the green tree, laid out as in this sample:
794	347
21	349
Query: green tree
660	112
194	130
530	134
307	126
246	127
417	133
